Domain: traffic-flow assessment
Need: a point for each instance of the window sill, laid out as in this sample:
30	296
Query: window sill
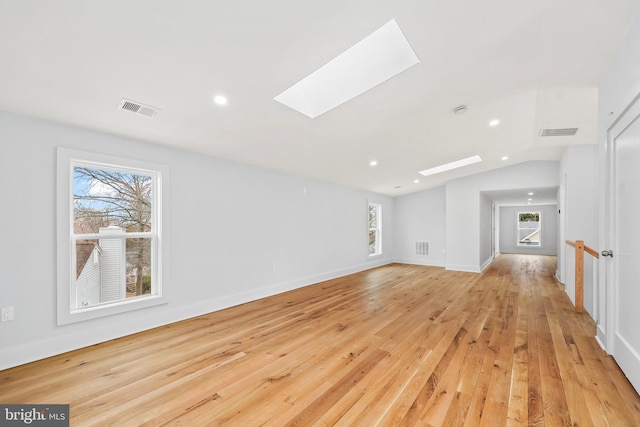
103	310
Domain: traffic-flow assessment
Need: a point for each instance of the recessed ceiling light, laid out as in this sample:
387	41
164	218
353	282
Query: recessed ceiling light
494	122
415	181
373	163
220	100
505	157
453	165
529	200
383	54
530	194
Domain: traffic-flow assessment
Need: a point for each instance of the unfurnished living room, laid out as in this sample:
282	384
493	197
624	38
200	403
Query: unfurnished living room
348	213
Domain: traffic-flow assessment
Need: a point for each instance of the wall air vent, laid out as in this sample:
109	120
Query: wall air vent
138	108
422	248
558	132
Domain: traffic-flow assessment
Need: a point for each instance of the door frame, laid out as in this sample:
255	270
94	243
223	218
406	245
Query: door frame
608	289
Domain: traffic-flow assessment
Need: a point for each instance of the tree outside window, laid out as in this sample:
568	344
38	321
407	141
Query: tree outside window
113	230
375	229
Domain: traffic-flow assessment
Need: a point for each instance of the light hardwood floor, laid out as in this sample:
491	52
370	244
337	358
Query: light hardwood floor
397	345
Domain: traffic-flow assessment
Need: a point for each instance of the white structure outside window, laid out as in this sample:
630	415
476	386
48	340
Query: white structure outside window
529	230
375	229
110	223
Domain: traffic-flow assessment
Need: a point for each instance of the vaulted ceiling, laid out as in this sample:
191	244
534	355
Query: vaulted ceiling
532	65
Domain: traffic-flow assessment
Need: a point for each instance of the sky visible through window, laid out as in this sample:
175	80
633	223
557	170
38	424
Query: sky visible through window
103	197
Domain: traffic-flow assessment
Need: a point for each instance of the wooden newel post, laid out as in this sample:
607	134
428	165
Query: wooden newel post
579	276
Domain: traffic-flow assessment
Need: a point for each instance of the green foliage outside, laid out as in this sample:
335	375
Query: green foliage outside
146	284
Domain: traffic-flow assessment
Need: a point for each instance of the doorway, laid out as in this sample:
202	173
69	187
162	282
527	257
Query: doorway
621	291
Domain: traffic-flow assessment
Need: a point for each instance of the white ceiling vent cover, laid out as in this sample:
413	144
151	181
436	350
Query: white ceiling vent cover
558	132
138	108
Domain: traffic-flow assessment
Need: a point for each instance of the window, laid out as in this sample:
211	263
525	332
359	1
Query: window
375	229
529	229
111	210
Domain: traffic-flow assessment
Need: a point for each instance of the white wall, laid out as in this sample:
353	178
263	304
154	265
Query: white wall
508	227
485	254
463	202
420	217
237	233
579	165
578	170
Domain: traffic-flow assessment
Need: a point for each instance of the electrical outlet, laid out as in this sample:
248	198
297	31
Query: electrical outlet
7	314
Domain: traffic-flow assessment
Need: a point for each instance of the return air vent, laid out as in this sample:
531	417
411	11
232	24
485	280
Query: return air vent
422	248
558	132
138	108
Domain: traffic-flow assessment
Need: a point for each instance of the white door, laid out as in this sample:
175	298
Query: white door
623	239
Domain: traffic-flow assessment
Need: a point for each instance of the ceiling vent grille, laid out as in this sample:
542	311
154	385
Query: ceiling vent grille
138	108
558	132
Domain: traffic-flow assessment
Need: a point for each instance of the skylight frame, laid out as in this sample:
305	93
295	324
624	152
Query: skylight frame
377	58
451	165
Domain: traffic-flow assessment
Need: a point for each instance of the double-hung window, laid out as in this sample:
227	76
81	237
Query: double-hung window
529	229
375	229
110	235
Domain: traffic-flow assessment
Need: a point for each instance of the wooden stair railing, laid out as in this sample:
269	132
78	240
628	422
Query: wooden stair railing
581	248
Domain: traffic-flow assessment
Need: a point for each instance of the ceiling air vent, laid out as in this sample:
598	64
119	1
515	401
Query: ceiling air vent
558	132
138	108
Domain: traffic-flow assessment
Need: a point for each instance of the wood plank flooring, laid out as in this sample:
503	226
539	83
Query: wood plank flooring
396	345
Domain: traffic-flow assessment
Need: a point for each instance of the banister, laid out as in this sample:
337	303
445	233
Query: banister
581	248
592	252
587	249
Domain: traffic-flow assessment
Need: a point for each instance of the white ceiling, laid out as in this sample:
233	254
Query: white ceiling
530	64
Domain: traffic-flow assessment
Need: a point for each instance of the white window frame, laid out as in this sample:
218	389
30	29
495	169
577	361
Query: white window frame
377	229
66	280
518	213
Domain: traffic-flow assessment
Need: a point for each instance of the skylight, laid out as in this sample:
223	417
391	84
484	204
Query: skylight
453	165
382	55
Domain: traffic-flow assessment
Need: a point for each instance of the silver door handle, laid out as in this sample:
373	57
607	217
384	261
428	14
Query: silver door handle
607	253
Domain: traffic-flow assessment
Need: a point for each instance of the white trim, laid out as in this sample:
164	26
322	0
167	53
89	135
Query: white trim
628	357
601	338
486	263
66	159
409	261
377	229
467	268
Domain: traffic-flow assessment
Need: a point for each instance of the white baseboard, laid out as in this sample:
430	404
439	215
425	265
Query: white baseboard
467	268
486	263
120	327
429	263
628	359
601	338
